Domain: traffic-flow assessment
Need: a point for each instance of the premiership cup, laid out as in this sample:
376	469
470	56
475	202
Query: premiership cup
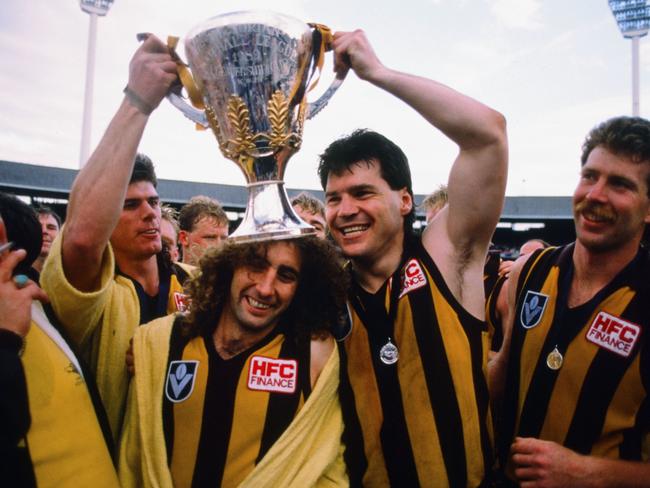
250	74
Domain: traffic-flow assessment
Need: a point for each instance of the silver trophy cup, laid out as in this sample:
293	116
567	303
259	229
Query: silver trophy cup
252	71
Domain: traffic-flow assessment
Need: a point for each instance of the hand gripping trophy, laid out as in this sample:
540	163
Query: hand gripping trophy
250	74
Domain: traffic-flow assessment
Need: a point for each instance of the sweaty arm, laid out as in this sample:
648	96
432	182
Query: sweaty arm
98	192
478	177
540	463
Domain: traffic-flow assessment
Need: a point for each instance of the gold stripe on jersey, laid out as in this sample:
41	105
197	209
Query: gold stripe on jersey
248	422
422	428
535	337
364	382
597	402
188	416
457	344
573	371
249	405
445	410
621	414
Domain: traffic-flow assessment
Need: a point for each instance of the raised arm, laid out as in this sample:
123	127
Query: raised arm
98	192
462	232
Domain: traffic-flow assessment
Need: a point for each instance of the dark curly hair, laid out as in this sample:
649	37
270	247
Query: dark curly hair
315	309
623	136
366	145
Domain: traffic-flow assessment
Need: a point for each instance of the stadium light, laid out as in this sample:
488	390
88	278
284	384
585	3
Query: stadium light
633	19
94	8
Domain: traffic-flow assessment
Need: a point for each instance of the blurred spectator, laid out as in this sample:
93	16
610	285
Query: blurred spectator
525	249
311	210
203	224
435	202
50	226
169	230
50	435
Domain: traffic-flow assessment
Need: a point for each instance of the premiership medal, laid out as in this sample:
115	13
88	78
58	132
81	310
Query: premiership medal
389	354
554	359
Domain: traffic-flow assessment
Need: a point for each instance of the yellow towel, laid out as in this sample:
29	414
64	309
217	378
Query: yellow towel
308	453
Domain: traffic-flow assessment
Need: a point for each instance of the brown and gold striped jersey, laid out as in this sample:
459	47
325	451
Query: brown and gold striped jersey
590	395
424	419
234	410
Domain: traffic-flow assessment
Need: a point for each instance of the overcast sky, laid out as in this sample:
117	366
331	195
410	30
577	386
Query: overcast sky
554	68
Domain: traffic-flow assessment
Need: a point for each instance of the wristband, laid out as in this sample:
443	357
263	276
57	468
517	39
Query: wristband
135	100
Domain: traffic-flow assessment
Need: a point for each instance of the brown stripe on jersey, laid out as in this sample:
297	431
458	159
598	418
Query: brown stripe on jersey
248	418
636	440
597	388
475	398
177	342
283	407
597	402
362	379
621	419
462	336
420	416
220	393
529	342
395	443
444	401
354	456
494	324
187	417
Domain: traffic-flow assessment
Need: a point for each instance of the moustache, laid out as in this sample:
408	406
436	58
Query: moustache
596	211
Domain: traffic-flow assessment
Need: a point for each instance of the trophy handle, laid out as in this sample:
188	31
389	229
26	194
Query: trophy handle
323	34
315	107
194	114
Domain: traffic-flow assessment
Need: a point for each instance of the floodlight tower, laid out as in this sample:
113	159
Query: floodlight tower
94	8
633	19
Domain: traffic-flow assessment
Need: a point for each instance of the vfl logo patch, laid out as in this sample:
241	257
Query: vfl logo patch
180	380
182	301
276	375
613	333
412	277
533	309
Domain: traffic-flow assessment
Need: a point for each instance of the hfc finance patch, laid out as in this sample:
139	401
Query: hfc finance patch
272	375
412	277
613	333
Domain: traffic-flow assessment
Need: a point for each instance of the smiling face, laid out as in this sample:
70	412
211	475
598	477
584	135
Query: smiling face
611	204
262	290
137	234
317	221
365	216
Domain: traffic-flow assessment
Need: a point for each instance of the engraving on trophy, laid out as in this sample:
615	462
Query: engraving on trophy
255	75
252	70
